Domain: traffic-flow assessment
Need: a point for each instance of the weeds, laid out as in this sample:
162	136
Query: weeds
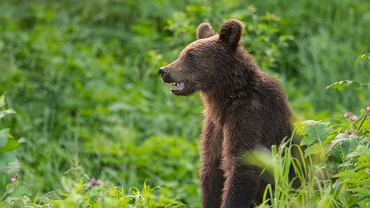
331	165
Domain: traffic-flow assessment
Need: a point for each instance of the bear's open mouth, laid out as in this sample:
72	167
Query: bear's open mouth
181	88
177	87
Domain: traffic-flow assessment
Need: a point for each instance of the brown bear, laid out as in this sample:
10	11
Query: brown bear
243	107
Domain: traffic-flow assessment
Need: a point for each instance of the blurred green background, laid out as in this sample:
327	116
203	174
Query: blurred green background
82	77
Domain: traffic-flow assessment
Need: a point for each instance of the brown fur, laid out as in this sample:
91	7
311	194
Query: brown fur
243	108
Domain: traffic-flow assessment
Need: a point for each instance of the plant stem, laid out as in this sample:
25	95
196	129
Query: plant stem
362	122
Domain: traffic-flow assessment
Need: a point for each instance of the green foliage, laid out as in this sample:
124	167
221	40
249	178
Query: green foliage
352	181
103	195
341	85
329	35
363	58
82	76
168	162
331	166
7	141
83	79
8	161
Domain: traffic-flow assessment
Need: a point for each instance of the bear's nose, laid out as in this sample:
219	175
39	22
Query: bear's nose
163	71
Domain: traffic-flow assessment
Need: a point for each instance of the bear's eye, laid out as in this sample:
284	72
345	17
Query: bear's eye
190	55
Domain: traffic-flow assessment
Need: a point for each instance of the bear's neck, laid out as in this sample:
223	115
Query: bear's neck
239	86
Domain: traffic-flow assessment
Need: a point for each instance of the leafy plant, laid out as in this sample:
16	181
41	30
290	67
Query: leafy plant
8	161
96	194
7	141
331	165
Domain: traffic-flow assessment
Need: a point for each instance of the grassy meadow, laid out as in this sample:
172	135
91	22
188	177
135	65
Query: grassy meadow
86	122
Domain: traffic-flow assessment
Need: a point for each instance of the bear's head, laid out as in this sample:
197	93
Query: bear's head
205	63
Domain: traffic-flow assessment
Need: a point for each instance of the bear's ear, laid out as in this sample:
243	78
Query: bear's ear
204	31
230	33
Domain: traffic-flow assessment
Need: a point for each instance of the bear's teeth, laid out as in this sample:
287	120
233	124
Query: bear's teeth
180	85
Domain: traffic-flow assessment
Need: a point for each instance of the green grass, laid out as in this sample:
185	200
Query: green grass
331	166
82	77
103	195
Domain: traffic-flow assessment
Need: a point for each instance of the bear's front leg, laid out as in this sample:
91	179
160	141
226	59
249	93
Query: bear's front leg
241	180
211	174
241	187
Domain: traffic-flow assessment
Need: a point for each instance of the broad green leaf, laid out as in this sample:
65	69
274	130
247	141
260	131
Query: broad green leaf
7	142
4	135
10	145
6	112
344	145
7	162
313	131
313	150
341	85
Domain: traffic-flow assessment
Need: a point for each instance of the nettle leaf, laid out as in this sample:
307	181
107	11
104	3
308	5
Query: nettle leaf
314	149
313	131
335	156
341	85
7	141
345	145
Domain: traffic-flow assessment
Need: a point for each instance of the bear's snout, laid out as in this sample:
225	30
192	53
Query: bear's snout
165	75
163	71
